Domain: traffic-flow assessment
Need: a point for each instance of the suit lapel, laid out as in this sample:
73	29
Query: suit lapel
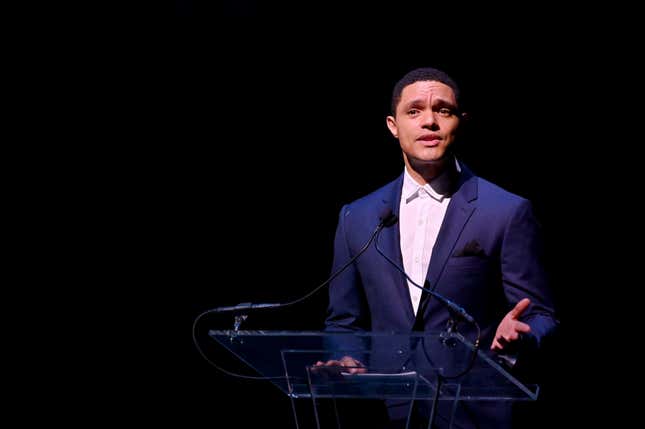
461	207
389	243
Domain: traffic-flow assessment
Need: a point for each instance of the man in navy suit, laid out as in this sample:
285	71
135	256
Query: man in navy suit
457	234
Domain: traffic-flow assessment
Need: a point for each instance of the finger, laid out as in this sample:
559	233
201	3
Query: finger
350	361
347	361
522	327
519	308
509	338
496	345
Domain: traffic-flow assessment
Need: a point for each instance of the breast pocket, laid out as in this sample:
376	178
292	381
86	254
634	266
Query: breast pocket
469	263
467	280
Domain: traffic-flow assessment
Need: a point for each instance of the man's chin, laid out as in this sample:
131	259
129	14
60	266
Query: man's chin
436	161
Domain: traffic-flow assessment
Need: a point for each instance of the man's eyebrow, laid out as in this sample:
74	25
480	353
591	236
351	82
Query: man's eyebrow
445	103
414	102
437	102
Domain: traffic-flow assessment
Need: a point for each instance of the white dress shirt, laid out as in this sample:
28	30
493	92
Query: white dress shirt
422	209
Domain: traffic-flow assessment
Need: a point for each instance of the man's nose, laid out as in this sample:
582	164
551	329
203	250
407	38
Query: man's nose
428	120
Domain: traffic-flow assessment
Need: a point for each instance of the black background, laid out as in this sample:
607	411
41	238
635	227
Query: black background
264	127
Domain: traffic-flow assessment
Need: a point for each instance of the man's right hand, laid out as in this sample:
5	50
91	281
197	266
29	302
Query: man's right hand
354	366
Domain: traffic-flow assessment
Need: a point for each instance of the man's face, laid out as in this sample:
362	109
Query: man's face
425	121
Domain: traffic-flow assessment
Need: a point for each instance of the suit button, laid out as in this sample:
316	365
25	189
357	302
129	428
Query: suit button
399	352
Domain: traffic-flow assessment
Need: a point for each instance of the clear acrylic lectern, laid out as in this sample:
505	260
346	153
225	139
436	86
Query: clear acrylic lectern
416	366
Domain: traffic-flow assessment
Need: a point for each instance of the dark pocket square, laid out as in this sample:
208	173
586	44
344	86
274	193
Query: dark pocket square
472	248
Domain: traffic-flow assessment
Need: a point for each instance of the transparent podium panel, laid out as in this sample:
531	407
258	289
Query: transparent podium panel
418	365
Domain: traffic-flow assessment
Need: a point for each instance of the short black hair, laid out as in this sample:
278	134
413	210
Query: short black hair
422	74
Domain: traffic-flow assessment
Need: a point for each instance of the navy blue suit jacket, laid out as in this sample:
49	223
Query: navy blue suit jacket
372	295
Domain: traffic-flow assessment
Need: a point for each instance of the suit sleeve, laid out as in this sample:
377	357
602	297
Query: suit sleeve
347	309
524	274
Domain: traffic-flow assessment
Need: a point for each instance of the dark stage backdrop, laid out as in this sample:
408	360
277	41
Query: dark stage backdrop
267	135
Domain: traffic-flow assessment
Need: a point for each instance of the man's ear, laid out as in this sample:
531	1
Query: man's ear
391	125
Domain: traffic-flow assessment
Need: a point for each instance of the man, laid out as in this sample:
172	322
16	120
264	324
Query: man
459	235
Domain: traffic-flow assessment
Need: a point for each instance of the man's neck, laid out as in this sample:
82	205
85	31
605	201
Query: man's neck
424	173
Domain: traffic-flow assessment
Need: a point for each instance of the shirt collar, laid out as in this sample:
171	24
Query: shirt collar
439	188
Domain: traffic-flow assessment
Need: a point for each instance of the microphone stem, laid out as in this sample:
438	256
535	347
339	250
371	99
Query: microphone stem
238	321
455	311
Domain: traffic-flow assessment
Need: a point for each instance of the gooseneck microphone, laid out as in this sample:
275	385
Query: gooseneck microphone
386	219
456	312
243	307
454	308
